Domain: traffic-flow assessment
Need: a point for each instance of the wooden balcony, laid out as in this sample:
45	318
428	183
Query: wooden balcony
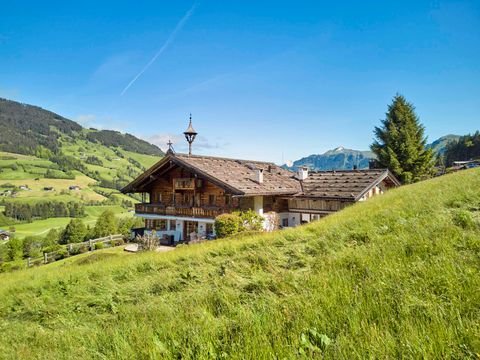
180	210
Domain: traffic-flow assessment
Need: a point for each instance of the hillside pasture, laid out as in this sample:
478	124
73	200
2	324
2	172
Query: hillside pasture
394	277
42	227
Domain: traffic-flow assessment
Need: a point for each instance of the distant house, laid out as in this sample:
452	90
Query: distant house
4	235
48	188
74	187
187	192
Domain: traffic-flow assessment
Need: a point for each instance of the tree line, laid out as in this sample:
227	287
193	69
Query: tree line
466	148
43	210
75	232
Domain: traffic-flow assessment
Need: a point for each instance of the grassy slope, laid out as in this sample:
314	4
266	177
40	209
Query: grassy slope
41	227
36	167
397	276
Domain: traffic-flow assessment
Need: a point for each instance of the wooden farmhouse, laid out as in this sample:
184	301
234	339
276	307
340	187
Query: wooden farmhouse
183	193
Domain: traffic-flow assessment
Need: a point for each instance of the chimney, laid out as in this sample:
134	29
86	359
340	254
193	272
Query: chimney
302	173
259	175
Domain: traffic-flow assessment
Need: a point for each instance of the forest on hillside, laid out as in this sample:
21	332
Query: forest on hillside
31	130
465	148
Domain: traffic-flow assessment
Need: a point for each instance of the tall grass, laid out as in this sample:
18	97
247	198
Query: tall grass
395	277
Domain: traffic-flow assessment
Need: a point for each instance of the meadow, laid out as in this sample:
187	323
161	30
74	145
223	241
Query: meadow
395	277
42	227
25	170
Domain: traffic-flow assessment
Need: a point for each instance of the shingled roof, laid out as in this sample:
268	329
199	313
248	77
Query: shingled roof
344	184
238	176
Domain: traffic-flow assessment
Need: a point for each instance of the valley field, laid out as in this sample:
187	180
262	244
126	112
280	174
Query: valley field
397	276
18	170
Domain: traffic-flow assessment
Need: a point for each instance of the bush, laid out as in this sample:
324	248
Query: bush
82	249
99	245
250	220
61	254
147	242
116	242
227	225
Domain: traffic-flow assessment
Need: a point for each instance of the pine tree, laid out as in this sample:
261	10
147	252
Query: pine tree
400	144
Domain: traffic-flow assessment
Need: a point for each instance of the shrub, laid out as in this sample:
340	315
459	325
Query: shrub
62	254
117	242
82	249
147	242
99	245
227	225
250	220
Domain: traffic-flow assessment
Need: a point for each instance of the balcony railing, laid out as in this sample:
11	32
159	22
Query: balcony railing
180	210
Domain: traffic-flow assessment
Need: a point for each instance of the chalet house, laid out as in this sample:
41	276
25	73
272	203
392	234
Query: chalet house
182	194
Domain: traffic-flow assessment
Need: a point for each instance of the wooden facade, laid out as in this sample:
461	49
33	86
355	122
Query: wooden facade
186	193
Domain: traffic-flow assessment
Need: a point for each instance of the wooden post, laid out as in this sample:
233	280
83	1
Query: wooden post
45	258
90	244
28	261
69	248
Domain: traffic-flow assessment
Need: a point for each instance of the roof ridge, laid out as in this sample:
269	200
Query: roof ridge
225	158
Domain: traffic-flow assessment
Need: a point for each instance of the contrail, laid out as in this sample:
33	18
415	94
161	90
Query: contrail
179	26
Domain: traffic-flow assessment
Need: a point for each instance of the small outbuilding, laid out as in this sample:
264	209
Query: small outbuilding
4	235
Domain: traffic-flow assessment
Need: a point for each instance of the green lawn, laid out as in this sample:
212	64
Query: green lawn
395	277
41	227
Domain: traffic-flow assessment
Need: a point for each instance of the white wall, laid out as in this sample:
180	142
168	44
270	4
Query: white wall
258	204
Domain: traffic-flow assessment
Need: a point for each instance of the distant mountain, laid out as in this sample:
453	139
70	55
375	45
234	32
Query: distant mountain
110	157
440	145
26	129
336	159
341	158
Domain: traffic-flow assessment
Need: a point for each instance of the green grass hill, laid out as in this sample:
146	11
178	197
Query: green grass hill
40	149
397	276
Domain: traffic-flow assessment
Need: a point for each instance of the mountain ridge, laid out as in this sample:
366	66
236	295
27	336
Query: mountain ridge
342	158
26	129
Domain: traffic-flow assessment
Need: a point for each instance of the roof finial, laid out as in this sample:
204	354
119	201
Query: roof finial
170	147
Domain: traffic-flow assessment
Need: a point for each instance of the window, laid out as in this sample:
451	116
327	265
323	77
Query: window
285	222
173	225
212	199
227	200
160	225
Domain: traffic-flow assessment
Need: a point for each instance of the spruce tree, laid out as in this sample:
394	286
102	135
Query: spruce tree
400	143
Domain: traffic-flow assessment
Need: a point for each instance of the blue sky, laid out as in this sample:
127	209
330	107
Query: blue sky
267	80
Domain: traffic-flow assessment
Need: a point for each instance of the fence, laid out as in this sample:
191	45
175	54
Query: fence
75	249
